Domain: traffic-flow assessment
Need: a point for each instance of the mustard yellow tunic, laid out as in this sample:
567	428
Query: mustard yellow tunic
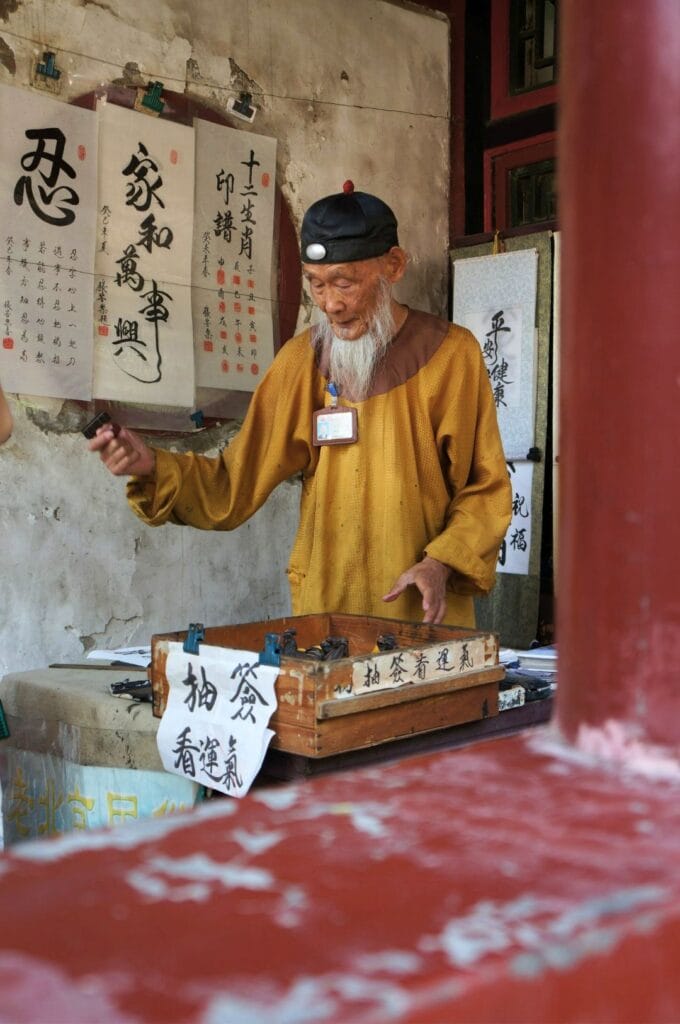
427	475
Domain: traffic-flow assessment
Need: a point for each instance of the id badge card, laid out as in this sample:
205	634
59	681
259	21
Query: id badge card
336	424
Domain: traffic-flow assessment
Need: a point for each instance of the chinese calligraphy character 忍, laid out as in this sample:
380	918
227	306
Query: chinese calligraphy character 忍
53	193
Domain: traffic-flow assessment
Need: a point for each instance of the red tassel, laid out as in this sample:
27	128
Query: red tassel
348	187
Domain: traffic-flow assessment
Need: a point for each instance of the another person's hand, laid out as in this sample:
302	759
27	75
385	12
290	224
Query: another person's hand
124	454
430	577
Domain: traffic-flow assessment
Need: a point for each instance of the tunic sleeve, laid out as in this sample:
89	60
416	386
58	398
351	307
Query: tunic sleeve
480	509
273	444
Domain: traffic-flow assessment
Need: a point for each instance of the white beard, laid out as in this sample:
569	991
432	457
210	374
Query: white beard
353	364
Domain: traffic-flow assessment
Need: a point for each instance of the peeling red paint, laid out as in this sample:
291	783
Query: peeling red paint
499	882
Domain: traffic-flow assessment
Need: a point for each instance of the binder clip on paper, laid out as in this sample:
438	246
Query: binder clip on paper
195	634
47	68
242	107
46	75
271	654
149	100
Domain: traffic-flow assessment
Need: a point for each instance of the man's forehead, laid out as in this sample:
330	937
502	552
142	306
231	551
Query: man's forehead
330	271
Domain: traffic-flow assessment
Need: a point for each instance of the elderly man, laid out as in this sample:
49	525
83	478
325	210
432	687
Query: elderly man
386	412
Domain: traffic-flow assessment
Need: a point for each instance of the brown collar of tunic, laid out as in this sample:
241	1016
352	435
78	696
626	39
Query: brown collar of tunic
412	347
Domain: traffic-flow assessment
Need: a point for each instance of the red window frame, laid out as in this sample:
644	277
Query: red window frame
503	104
498	162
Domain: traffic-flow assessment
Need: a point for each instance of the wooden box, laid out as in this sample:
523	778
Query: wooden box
437	677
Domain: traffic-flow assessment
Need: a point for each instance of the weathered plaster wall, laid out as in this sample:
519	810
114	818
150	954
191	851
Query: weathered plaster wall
354	90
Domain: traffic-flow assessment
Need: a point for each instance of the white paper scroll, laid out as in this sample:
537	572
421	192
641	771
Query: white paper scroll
214	728
48	182
556	398
495	297
232	256
143	325
516	546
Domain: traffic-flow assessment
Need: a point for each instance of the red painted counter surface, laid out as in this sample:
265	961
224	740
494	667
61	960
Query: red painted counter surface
512	881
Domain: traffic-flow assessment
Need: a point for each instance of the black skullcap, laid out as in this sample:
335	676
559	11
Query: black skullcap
346	227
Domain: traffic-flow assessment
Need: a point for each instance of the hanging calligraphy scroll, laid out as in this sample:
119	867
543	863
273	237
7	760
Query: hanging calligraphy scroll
232	256
143	324
516	546
495	297
512	608
48	182
72	198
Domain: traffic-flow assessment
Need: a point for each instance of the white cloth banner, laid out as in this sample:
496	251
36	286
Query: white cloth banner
232	256
214	727
143	324
48	188
495	297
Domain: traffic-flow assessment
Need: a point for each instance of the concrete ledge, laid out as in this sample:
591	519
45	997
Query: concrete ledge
70	713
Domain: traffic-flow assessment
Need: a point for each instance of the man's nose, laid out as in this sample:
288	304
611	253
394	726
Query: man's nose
332	301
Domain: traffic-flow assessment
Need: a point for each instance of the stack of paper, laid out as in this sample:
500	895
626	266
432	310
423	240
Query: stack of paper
543	659
138	656
539	659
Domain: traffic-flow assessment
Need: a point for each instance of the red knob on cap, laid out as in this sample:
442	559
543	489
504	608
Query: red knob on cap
348	187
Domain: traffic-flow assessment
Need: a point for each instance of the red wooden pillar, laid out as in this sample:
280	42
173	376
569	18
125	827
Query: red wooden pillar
619	587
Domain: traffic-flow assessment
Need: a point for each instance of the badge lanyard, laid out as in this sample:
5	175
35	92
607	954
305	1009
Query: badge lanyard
334	424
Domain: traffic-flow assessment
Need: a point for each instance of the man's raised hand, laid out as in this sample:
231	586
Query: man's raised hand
124	453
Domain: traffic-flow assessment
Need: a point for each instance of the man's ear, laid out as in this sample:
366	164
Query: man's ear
396	261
